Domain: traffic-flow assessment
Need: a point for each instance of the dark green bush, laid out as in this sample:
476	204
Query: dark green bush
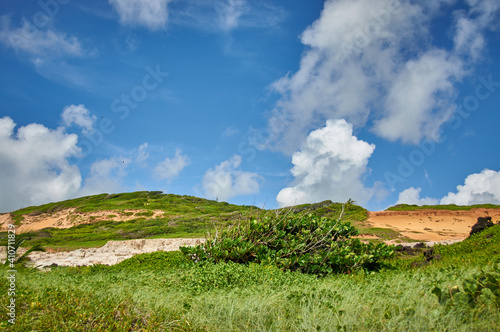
479	290
305	243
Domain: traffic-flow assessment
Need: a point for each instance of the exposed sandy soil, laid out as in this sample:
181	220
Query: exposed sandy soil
111	253
68	218
431	225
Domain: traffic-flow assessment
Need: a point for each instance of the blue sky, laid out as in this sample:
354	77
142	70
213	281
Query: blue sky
269	103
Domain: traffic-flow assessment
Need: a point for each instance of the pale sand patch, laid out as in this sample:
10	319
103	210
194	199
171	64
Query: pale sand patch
111	253
431	225
69	217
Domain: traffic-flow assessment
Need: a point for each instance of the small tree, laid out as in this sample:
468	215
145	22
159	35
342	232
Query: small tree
295	242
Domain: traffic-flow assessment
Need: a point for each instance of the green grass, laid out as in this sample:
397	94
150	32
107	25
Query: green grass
383	234
141	200
451	207
165	292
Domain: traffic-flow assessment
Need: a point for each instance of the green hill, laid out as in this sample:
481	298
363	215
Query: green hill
184	216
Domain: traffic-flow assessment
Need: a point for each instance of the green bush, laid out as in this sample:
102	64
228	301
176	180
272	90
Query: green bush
305	243
478	291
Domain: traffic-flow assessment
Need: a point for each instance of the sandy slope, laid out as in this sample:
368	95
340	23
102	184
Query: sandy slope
111	253
431	225
69	217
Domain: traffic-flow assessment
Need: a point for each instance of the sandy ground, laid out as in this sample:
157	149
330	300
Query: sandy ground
431	225
69	217
111	253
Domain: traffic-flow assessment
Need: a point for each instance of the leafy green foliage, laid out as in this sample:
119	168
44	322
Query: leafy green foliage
160	260
207	277
480	289
305	243
19	240
329	209
477	249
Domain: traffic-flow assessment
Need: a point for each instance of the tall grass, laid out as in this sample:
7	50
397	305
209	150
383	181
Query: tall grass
165	292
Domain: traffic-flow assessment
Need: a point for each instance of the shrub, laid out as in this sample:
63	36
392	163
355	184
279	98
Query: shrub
477	292
305	243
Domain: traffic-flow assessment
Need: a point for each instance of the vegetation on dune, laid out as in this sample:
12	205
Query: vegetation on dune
450	207
164	291
184	216
141	200
169	291
13	242
291	241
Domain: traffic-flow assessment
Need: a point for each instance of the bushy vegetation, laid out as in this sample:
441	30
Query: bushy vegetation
296	242
164	291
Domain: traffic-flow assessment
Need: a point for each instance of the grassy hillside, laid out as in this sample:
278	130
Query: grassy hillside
451	207
184	216
165	292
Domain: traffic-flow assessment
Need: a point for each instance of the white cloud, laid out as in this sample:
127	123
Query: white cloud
486	11
363	59
142	155
225	181
38	42
229	13
330	165
79	116
152	14
106	176
34	165
412	109
412	196
171	167
479	188
468	40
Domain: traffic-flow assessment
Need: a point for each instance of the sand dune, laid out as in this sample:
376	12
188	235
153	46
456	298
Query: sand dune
69	217
431	225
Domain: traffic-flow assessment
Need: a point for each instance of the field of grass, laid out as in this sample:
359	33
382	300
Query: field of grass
165	292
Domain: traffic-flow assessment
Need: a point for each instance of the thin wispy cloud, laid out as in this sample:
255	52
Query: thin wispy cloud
229	14
38	42
152	14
